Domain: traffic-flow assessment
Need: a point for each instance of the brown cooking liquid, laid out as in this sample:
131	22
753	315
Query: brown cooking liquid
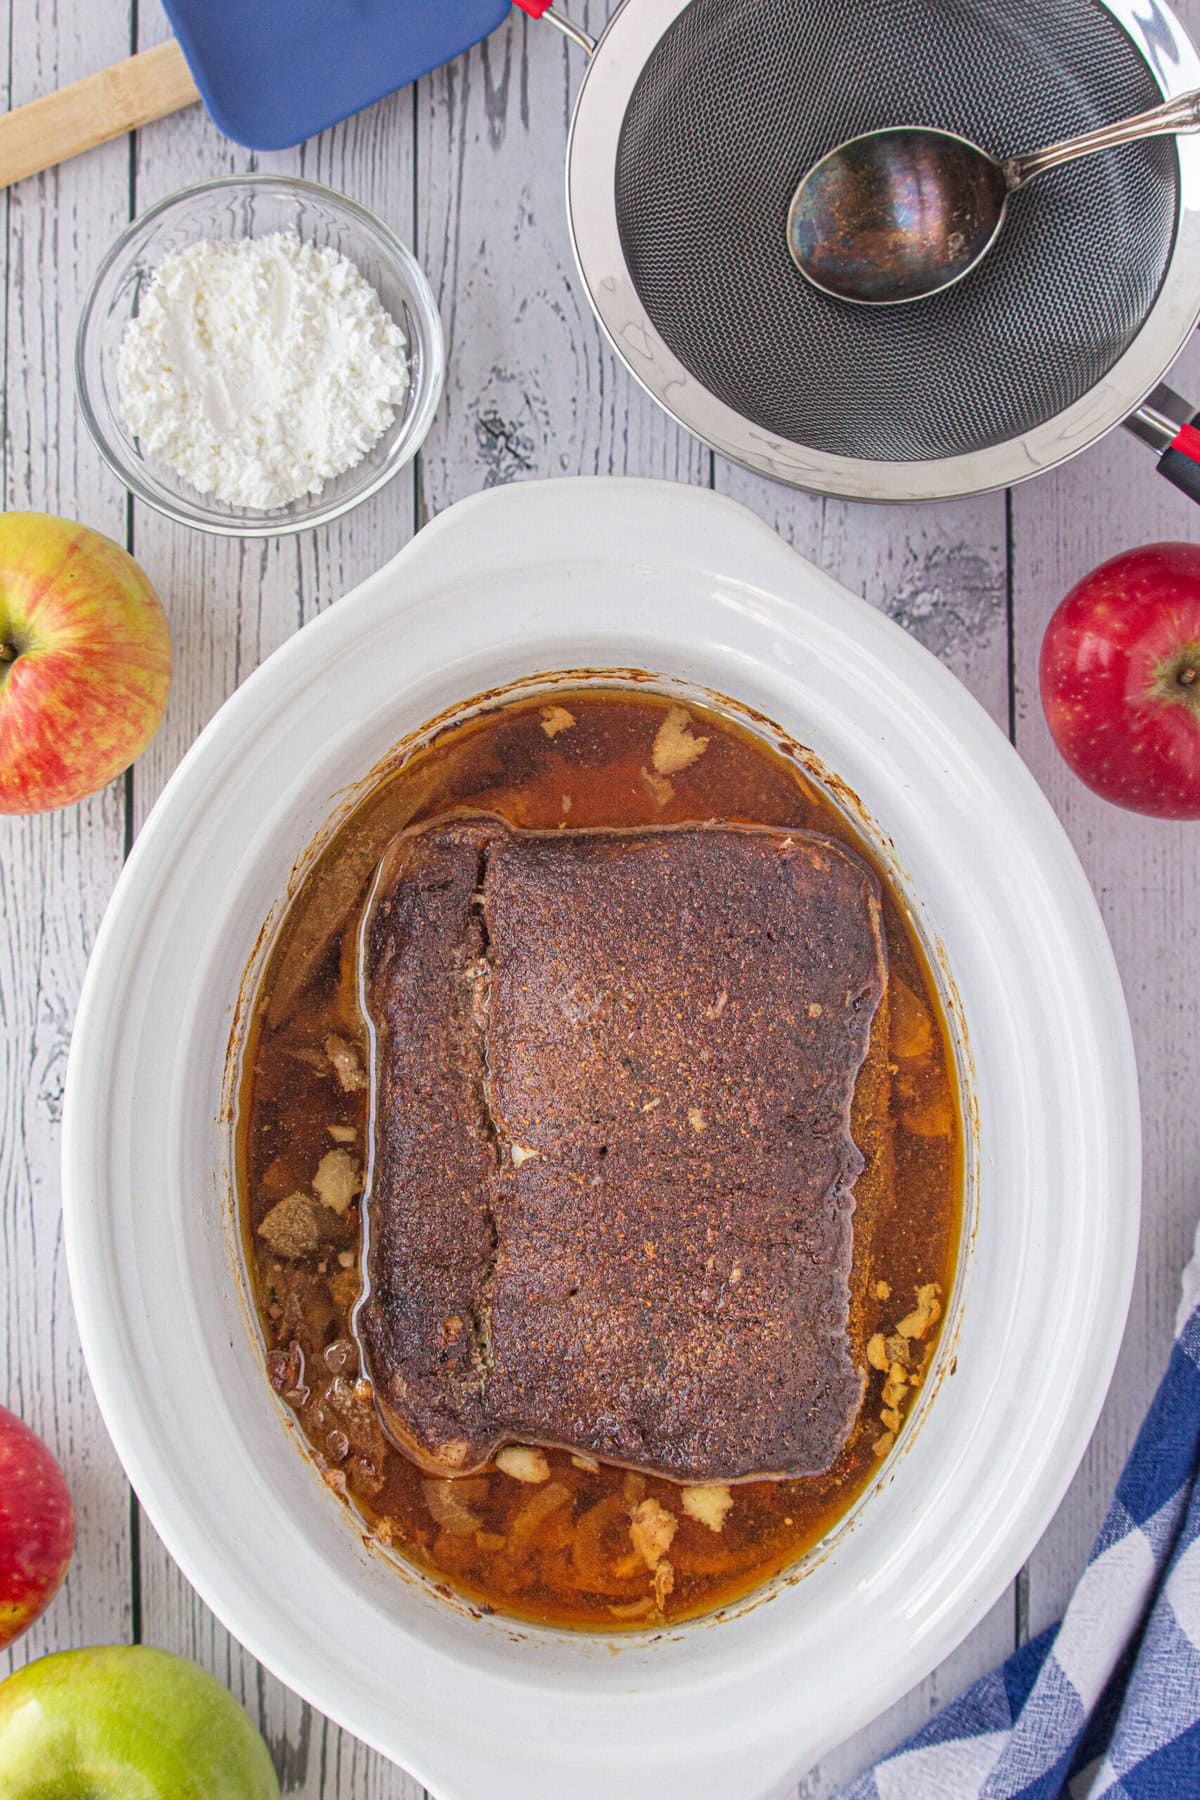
559	1550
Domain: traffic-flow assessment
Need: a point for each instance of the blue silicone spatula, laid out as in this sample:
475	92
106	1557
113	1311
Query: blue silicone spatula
271	72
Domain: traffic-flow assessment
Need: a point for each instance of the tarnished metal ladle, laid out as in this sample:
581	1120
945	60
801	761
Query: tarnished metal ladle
899	214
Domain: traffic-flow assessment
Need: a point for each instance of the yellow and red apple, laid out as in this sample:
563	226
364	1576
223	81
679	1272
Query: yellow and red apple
85	661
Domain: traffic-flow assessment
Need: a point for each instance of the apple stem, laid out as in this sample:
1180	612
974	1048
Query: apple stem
8	652
1176	679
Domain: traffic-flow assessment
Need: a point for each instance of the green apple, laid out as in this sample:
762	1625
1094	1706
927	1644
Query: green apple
124	1722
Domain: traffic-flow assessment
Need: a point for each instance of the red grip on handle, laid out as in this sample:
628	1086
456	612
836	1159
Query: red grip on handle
535	8
1187	442
1180	461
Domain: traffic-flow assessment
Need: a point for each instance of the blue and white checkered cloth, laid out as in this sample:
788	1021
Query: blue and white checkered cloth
1105	1705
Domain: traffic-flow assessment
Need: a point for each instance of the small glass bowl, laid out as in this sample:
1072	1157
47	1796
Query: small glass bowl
253	206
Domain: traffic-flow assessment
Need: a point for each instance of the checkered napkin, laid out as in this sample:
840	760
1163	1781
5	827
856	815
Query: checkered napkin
1105	1705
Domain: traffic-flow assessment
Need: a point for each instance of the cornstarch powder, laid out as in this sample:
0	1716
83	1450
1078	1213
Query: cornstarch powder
259	369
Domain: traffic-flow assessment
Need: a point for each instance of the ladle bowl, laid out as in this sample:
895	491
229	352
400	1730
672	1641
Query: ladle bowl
900	214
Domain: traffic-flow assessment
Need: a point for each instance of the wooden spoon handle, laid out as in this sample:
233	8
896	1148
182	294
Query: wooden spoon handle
90	112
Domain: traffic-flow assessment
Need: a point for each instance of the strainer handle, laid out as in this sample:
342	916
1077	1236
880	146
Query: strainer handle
1182	114
1168	424
543	9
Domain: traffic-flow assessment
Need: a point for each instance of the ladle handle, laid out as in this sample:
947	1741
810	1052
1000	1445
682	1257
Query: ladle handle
1173	117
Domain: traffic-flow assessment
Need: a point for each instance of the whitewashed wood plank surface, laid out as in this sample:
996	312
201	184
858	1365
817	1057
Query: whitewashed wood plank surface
532	392
56	871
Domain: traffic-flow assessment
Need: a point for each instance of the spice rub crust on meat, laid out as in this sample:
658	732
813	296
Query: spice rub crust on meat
612	1183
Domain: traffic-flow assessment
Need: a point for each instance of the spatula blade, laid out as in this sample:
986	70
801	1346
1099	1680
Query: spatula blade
273	72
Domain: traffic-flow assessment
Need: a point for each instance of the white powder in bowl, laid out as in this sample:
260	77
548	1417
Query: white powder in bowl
259	369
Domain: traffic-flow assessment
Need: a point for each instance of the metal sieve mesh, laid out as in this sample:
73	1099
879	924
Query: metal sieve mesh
740	97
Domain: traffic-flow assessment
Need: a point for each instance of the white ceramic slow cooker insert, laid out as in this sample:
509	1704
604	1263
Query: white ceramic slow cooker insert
604	575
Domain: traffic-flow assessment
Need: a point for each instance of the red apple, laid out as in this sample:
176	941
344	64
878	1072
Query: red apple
37	1527
85	661
1120	678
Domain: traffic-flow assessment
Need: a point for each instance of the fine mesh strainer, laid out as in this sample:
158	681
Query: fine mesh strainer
697	118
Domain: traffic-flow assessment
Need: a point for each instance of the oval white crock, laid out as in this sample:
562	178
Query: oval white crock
604	574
